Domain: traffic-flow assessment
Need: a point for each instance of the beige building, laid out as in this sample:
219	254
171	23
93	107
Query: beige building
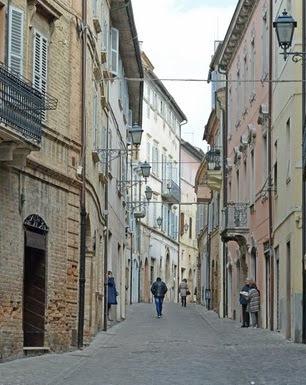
52	167
287	184
191	158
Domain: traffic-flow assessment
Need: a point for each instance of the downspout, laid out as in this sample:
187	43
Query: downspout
270	182
132	232
7	32
179	214
304	175
106	233
83	187
225	198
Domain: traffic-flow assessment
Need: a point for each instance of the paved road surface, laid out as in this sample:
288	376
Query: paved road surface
186	347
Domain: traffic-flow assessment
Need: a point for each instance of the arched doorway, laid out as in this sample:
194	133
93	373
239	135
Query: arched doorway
34	282
190	285
141	286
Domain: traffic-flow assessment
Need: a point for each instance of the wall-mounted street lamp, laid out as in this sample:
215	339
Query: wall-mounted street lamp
145	169
284	26
159	221
213	157
148	193
136	134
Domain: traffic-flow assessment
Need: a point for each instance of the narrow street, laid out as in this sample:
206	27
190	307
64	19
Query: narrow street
186	346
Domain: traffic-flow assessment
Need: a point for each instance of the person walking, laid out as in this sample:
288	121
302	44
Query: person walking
111	293
159	289
244	304
254	304
183	291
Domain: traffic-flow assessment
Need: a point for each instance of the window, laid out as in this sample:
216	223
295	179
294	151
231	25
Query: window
15	42
238	97
190	228
265	158
252	181
155	159
288	143
265	45
40	64
114	51
182	223
148	152
238	186
95	119
164	166
104	41
253	69
275	168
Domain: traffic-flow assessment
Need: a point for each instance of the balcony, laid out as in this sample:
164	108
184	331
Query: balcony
21	113
214	170
171	192
235	222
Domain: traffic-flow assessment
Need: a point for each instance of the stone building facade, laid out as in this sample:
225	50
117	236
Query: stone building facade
41	166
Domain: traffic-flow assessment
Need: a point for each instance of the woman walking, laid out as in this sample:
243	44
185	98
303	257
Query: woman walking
254	304
183	291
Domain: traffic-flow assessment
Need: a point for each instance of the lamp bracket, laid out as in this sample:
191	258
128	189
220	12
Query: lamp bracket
295	56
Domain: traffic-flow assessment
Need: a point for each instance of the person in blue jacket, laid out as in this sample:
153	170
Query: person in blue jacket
111	292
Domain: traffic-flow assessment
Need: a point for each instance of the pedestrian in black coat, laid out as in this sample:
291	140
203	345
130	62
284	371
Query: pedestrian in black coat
244	304
111	292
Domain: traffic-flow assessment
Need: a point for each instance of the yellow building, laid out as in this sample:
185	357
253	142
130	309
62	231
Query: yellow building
287	186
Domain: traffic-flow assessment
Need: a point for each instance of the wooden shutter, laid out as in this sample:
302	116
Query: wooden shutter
114	51
15	56
40	62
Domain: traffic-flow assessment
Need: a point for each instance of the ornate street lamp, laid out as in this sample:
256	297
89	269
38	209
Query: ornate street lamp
159	221
145	169
213	159
148	193
136	134
284	26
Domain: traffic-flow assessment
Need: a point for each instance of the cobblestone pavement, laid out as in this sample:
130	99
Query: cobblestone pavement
187	346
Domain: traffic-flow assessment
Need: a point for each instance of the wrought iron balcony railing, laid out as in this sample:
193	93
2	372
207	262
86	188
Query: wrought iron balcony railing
236	216
171	191
21	105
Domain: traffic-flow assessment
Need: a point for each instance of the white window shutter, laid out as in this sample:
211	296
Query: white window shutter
114	51
15	56
40	62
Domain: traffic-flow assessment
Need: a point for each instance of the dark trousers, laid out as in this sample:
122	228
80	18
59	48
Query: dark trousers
159	305
183	300
245	316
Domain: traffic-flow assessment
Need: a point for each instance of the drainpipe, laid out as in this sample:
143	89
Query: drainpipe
304	176
270	182
224	174
7	32
106	233
179	215
83	188
132	233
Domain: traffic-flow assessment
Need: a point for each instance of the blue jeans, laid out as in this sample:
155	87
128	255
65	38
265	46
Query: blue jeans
159	305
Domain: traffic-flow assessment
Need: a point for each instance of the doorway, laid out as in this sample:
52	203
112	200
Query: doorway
34	282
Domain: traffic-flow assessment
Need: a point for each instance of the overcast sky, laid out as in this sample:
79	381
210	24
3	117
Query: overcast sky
178	36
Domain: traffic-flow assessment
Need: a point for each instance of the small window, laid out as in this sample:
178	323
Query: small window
190	228
114	51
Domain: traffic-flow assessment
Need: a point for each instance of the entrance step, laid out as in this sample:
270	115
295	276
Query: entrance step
35	350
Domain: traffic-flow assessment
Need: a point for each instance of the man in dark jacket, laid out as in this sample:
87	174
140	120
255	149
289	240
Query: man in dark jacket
244	303
159	289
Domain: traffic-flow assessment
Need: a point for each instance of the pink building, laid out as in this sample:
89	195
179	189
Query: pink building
244	59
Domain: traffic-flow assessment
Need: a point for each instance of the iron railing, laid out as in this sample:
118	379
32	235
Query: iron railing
21	105
235	216
171	191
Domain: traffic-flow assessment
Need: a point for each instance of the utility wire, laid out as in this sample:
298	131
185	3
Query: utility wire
207	80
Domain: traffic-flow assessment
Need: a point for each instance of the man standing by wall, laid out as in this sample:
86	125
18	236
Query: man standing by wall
244	303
